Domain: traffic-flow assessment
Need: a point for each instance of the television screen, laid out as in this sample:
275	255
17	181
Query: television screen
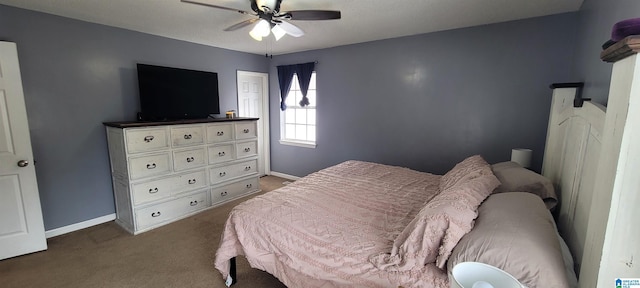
168	93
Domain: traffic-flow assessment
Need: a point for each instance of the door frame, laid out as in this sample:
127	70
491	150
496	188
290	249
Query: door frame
265	120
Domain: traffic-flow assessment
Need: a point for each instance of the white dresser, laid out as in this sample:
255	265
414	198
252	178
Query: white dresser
165	171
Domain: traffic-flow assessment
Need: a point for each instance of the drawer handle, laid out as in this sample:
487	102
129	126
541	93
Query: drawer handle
187	136
245	130
193	203
247	168
247	149
192	181
249	185
156	214
151	166
190	159
222	174
148	138
153	191
224	193
220	133
221	153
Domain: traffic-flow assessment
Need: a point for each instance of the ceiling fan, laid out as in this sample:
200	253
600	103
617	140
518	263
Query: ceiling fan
269	18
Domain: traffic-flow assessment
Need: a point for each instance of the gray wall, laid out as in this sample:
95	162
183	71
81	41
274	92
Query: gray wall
428	101
423	101
77	75
597	17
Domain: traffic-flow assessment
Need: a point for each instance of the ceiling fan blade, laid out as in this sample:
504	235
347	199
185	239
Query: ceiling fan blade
314	14
216	6
291	29
241	24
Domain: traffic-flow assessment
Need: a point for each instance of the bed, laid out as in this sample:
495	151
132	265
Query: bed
363	224
590	161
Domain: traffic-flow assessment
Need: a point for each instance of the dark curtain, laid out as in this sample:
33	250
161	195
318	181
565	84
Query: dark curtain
304	72
285	77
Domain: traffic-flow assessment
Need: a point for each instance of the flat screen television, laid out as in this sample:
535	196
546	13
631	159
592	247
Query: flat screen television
168	93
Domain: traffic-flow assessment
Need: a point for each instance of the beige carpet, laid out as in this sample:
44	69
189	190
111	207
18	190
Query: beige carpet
176	255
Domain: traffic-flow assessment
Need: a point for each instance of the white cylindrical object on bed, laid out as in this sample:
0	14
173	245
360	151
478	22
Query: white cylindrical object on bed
476	274
521	156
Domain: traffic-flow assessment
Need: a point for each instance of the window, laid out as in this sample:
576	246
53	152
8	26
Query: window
298	124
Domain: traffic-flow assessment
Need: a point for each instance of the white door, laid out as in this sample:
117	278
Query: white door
253	101
21	225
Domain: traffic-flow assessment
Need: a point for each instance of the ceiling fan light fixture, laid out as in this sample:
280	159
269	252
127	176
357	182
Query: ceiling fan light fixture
268	18
255	35
262	28
278	32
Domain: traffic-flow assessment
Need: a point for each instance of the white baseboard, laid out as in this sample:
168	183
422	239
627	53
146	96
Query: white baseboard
78	226
111	217
285	176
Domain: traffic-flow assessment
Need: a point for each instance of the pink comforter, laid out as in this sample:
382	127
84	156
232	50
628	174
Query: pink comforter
321	230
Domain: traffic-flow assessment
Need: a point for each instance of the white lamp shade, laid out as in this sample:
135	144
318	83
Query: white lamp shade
522	156
255	35
480	275
262	28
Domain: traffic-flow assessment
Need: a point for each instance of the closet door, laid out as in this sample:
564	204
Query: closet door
21	225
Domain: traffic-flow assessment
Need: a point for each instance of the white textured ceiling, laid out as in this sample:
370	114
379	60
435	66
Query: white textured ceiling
362	20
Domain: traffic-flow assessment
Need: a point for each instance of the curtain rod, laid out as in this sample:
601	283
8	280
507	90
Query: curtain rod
315	62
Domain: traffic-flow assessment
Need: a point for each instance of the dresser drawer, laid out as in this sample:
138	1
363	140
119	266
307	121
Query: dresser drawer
190	181
149	165
156	214
221	153
143	140
151	190
227	192
171	210
219	133
193	203
246	168
247	149
221	174
188	159
187	135
246	130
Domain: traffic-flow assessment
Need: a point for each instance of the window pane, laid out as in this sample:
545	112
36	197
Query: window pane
311	95
290	131
311	116
312	84
311	133
301	116
291	99
290	115
301	132
298	98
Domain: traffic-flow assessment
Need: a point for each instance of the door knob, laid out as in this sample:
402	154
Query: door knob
23	163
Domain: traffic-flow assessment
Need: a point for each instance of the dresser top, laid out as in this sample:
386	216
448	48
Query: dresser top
131	124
